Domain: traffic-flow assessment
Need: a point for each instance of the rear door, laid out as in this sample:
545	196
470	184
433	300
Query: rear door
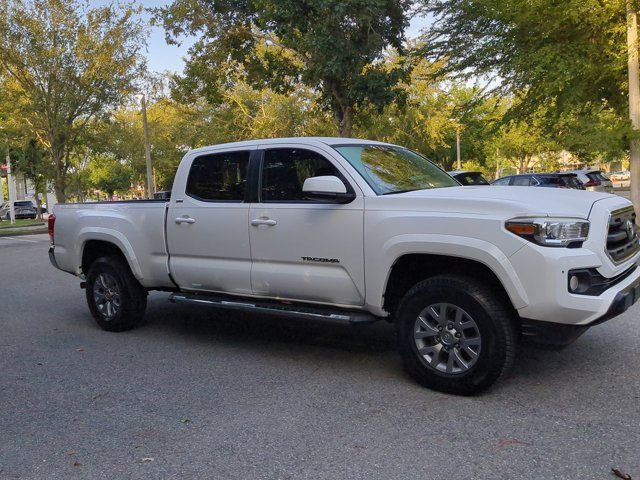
207	223
301	249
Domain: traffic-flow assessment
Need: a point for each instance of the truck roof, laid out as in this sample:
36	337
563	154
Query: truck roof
300	140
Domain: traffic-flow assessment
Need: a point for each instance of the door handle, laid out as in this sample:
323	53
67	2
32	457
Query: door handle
263	221
185	219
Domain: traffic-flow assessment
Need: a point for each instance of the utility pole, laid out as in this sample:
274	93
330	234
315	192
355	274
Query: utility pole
147	149
459	161
11	190
634	100
458	148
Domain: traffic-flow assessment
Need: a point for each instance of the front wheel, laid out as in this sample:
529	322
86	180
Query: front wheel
116	299
456	335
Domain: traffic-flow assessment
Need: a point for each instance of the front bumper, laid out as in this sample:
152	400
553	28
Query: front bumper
558	335
544	282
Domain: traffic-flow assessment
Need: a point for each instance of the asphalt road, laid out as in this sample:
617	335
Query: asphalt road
198	394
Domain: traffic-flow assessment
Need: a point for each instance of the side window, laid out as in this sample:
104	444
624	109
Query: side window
521	181
219	177
284	171
502	181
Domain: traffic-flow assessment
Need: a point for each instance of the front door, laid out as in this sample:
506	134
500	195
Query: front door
207	225
305	250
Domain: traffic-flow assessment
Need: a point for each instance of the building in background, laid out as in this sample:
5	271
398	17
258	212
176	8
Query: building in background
24	189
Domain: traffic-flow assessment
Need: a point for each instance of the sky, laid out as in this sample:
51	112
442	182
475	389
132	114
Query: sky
162	57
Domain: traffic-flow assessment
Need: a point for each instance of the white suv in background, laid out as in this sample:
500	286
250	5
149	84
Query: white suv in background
594	180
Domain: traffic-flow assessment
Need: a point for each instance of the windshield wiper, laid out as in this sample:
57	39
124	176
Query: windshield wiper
402	191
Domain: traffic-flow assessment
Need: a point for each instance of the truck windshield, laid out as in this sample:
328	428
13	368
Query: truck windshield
388	169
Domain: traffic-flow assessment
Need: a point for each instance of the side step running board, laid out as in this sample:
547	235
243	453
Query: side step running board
298	310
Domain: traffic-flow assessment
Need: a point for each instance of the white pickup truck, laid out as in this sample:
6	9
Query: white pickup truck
352	231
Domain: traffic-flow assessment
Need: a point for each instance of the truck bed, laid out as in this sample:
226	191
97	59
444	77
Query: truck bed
137	227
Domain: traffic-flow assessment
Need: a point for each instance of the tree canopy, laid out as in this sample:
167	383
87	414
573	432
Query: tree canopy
565	59
332	46
65	65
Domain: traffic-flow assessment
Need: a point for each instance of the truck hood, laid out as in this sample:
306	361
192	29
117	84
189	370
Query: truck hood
514	201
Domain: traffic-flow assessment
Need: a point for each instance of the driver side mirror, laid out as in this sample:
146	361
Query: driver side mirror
328	189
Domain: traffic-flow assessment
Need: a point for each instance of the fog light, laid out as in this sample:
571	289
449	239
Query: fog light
574	283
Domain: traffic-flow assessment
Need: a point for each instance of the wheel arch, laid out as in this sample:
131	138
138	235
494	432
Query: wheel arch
438	254
409	269
98	244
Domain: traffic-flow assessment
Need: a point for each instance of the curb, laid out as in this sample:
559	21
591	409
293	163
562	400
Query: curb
10	232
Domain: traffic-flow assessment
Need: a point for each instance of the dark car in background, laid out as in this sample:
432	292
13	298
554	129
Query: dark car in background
469	178
549	180
22	209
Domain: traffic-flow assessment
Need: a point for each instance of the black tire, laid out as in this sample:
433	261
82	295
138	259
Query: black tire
494	320
132	297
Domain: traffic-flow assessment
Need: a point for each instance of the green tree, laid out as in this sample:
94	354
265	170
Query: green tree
332	46
565	61
174	128
109	175
31	162
562	55
435	108
67	65
523	147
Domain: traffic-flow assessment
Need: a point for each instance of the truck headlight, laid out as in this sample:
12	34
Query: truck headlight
550	232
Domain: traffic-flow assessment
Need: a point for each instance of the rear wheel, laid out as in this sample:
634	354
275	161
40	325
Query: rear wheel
116	299
456	335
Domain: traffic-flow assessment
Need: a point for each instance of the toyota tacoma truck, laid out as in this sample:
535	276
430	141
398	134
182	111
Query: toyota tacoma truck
354	231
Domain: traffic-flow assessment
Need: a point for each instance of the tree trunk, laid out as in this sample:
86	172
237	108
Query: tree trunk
634	101
342	111
60	175
60	187
345	124
38	206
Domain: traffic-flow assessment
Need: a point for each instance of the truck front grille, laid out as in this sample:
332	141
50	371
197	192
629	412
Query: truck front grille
622	238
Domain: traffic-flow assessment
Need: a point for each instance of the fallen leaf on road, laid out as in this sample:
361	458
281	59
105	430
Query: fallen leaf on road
619	474
71	453
77	464
185	420
79	349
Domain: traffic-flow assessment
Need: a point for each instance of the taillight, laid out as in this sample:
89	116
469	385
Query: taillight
51	223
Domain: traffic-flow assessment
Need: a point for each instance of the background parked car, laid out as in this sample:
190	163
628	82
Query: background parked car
572	180
43	209
23	209
621	179
163	195
552	180
594	180
469	178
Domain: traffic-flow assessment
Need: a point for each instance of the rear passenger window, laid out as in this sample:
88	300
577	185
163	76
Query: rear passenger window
284	171
502	181
521	181
219	177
